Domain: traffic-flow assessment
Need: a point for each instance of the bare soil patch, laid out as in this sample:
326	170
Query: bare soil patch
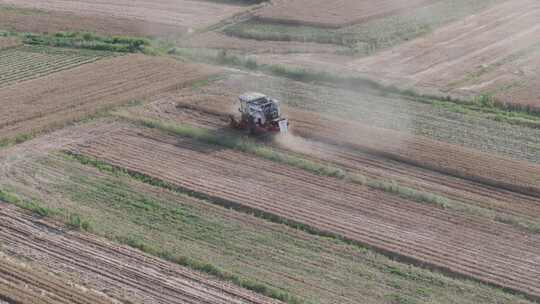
495	52
333	13
59	98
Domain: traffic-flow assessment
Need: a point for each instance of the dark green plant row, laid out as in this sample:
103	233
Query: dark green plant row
91	41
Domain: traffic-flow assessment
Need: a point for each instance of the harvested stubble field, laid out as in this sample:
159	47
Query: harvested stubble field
332	13
461	245
180	13
28	62
117	271
38	21
500	57
60	98
314	269
173	110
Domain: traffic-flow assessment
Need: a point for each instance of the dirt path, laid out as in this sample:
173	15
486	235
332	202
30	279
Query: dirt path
467	246
118	271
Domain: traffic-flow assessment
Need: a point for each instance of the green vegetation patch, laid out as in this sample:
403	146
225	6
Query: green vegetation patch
85	40
72	220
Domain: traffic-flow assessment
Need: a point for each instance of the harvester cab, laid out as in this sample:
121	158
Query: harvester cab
260	114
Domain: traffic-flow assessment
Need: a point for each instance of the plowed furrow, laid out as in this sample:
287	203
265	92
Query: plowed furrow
117	268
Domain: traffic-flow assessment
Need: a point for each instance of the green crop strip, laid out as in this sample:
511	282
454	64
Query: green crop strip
85	40
72	220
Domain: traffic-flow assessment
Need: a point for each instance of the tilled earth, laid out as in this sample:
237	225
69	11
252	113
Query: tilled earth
116	271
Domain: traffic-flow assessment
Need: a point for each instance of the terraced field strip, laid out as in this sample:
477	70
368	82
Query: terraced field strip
424	235
125	273
370	165
63	97
24	63
333	13
21	284
8	42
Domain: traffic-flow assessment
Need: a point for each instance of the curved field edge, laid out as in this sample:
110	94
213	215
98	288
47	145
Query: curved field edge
351	265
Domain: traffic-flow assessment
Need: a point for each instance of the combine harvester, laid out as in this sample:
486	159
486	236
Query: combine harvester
260	115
